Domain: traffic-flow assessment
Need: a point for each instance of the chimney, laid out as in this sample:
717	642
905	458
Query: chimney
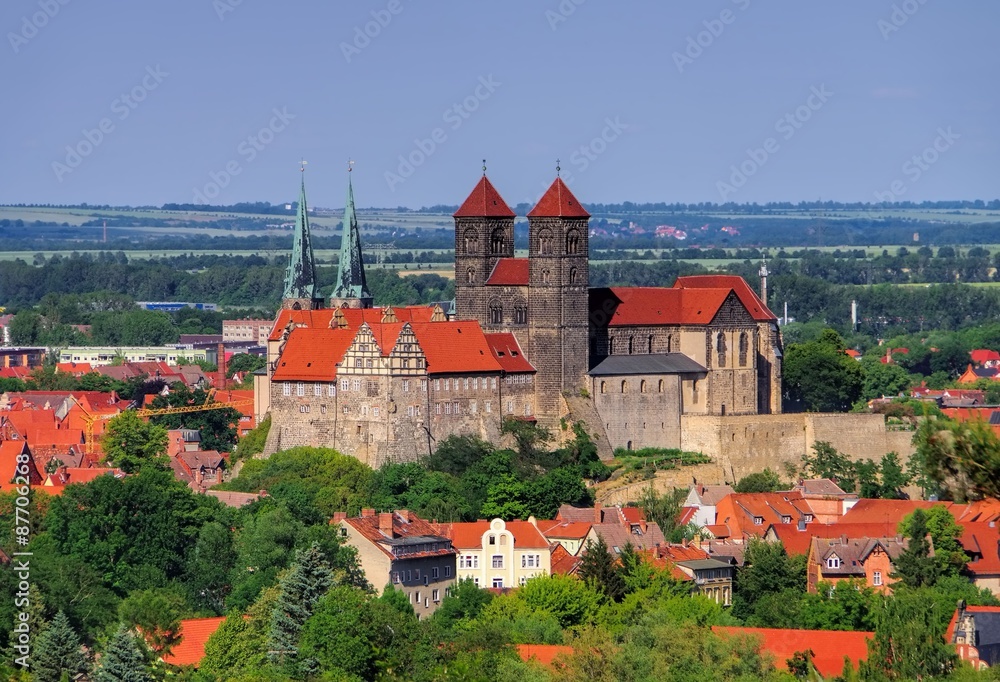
221	363
597	512
367	513
385	523
339	516
684	542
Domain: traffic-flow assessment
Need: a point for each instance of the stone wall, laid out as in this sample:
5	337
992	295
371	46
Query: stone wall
745	444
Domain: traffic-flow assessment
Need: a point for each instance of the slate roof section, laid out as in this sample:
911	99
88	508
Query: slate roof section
665	363
510	272
484	202
853	552
558	202
617	535
986	640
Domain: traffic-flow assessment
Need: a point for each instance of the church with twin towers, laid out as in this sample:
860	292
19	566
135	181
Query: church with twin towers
527	338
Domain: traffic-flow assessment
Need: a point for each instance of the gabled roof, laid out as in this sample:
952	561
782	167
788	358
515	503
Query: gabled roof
886	511
484	202
353	317
441	342
747	296
853	552
558	202
739	511
313	354
469	535
828	646
507	353
10	450
709	495
797	542
616	535
562	562
510	272
407	528
565	530
981	356
193	633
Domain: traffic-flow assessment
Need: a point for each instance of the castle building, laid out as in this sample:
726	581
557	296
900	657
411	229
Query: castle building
529	340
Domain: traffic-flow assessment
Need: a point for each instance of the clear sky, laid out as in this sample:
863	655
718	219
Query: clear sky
743	100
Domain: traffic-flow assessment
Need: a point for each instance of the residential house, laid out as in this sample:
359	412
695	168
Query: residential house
869	559
826	499
974	373
498	553
982	357
199	469
401	549
710	576
744	515
192	634
829	647
705	498
571	535
975	632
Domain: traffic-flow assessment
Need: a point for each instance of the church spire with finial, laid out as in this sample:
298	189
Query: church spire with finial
300	277
351	289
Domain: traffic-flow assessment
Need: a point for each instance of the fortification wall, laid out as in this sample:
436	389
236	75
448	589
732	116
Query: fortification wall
745	444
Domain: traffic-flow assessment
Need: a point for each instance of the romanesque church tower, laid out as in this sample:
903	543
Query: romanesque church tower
484	235
558	294
300	276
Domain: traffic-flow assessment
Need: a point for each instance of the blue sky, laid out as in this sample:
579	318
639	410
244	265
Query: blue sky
743	100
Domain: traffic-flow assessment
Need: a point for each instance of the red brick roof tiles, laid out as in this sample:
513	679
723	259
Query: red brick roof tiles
510	272
562	562
747	296
353	317
885	511
507	353
829	646
455	347
565	530
469	535
313	354
194	633
546	654
484	202
10	450
405	524
558	202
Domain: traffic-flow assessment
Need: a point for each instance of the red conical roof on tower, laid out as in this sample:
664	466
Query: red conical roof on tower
484	202
558	202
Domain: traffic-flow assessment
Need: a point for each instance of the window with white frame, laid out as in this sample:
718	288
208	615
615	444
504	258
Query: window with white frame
877	578
357	362
356	385
493	383
286	389
345	385
300	388
447	385
488	406
510	407
498	561
437	408
464	561
447	571
531	560
409	410
447	408
318	390
472	406
475	383
375	411
833	561
466	384
498	583
455	409
406	385
436	596
331	389
423	385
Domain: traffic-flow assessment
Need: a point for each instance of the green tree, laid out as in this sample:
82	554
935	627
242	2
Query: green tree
210	566
827	462
340	635
253	443
130	443
245	362
961	459
457	454
882	378
915	567
909	641
820	377
571	601
599	568
529	437
123	660
239	646
58	652
217	426
463	602
767	570
506	499
945	533
156	613
766	481
306	582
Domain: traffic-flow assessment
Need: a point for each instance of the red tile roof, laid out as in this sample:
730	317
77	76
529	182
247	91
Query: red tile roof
469	535
829	646
543	653
981	356
510	272
886	511
747	296
562	562
558	202
455	347
796	542
194	633
353	317
508	353
10	450
738	511
565	530
313	354
405	524
484	201
659	305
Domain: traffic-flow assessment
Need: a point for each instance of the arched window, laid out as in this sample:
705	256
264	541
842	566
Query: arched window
604	386
650	348
546	276
642	386
744	347
611	346
670	343
471	241
545	242
720	348
659	386
624	386
496	312
631	343
572	242
572	275
497	241
470	276
520	312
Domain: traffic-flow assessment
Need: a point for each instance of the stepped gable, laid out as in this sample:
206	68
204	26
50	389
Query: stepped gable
558	202
312	354
510	272
748	297
484	202
508	353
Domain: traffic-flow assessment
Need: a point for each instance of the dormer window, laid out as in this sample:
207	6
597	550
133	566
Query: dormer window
758	520
786	519
833	561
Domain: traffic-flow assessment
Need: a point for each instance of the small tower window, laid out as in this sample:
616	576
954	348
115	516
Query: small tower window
642	386
631	344
572	275
545	242
470	276
572	242
545	276
624	386
744	347
650	345
497	241
720	348
471	241
496	313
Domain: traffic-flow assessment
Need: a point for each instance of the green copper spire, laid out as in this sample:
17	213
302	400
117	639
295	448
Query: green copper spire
351	287
300	277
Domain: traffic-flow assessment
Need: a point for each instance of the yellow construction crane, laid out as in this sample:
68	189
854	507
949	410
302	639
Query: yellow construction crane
89	419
